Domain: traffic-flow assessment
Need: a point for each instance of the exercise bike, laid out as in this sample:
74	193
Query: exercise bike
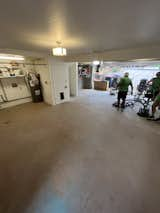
145	102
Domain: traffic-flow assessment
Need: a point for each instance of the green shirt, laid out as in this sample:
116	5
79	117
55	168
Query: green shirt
158	98
124	84
156	84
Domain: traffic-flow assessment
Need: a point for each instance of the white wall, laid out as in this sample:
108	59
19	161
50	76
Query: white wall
42	67
73	79
60	80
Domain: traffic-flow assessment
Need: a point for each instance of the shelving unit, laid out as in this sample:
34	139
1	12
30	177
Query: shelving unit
16	76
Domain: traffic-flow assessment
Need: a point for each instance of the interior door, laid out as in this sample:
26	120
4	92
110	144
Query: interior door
61	82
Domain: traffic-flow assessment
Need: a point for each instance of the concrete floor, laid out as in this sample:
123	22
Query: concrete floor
78	157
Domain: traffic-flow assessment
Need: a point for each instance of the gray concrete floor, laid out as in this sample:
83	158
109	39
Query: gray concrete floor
78	157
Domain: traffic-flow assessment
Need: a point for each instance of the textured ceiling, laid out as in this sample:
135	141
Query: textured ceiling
83	26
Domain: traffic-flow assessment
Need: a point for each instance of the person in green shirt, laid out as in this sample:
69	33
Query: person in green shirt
156	94
155	104
122	86
155	85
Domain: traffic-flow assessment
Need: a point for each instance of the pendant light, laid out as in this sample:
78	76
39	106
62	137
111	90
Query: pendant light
59	51
96	62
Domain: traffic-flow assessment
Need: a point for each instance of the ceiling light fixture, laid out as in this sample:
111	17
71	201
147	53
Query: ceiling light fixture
143	59
11	57
59	51
96	62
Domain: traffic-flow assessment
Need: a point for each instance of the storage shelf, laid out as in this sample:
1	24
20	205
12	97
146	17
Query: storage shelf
17	76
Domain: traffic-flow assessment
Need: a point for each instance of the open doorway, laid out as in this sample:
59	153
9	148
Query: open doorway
104	76
101	79
85	76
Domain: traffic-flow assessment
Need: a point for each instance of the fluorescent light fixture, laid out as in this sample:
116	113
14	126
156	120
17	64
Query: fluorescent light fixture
143	59
11	57
59	51
96	62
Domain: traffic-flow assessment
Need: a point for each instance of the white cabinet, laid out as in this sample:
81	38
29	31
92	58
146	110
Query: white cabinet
15	88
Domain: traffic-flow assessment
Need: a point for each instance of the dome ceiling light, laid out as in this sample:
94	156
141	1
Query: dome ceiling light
59	51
